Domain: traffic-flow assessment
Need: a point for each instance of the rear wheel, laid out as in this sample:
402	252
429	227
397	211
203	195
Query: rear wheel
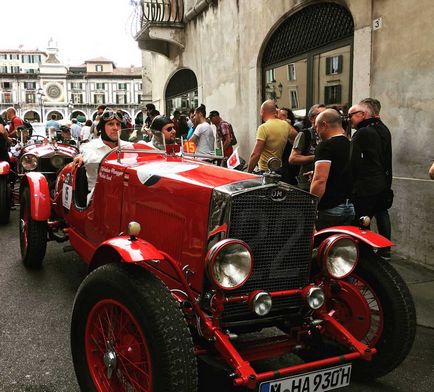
5	208
128	333
33	234
375	305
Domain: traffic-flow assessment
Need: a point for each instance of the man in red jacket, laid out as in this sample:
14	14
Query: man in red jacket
15	122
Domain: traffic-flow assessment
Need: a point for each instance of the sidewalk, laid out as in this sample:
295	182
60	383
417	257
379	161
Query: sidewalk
420	281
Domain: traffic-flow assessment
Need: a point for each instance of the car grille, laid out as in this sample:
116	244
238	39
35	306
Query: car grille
280	233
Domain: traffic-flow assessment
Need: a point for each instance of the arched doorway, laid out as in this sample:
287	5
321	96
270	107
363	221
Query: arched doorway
181	92
308	58
32	116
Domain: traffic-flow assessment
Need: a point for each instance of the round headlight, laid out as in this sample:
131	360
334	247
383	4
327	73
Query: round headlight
339	255
229	264
261	303
315	297
29	162
57	161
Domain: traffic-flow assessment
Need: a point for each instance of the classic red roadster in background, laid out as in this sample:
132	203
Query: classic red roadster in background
37	154
185	258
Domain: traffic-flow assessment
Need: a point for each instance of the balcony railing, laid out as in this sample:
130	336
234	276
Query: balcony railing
162	11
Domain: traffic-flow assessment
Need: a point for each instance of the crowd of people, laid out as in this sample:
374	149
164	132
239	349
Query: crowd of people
350	174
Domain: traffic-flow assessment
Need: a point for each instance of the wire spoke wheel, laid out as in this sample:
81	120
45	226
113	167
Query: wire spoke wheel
116	350
359	310
132	334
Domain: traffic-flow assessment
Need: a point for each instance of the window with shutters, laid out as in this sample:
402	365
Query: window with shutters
334	65
332	94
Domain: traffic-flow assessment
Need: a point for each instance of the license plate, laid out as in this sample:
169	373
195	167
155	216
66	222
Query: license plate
317	381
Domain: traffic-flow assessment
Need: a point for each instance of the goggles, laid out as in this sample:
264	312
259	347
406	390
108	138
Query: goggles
110	115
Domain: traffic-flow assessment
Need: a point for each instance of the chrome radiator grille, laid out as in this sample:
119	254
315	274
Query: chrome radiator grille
278	225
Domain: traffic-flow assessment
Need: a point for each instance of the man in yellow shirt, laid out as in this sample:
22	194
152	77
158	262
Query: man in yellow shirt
271	137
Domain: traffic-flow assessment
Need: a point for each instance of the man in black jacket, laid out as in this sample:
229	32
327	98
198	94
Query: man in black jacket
371	162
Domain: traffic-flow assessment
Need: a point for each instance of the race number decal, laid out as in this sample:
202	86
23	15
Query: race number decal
67	196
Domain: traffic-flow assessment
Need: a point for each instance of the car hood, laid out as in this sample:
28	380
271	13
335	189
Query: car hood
41	150
191	171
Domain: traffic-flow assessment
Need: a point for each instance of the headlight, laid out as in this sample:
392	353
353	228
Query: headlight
314	296
29	162
261	302
57	161
229	264
339	254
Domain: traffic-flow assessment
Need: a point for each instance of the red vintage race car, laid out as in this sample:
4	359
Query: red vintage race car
37	154
186	258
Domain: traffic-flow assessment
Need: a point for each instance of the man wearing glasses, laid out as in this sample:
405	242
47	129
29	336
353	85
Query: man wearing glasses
371	162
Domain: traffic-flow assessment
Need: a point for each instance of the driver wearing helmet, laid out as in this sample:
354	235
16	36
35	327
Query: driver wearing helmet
163	132
109	127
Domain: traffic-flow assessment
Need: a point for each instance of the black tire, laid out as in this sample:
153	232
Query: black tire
33	234
399	316
152	310
5	200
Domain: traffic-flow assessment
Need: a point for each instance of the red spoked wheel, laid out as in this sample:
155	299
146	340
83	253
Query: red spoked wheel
116	350
375	305
358	308
129	334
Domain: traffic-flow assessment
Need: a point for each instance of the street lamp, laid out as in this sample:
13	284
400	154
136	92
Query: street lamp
41	95
70	107
274	90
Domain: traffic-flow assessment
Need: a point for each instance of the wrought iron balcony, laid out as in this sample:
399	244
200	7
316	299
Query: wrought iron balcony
160	25
162	11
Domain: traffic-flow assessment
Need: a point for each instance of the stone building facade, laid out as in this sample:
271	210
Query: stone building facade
38	85
232	54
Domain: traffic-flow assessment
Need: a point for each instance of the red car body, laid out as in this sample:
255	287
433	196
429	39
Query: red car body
186	210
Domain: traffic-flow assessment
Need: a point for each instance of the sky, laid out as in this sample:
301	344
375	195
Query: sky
83	29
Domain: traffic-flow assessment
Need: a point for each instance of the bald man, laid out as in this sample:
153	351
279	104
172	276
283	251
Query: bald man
331	180
271	137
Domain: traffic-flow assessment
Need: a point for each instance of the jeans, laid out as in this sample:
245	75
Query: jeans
343	214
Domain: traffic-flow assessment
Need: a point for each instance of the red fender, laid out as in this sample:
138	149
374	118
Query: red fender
40	208
130	251
5	168
367	236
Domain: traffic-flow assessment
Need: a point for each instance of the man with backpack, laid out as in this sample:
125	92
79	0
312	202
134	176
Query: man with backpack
303	149
225	133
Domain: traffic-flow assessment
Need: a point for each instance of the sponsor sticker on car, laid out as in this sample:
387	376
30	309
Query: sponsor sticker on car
67	196
317	381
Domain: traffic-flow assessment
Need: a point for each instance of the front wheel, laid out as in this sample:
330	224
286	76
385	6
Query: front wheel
33	234
375	305
129	334
5	199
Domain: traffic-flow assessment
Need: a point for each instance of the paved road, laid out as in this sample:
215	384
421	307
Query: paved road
34	327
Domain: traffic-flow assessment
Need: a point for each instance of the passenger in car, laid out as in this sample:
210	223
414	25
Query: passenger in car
162	127
92	153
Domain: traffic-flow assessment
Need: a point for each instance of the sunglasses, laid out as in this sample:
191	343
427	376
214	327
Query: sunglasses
352	114
110	115
170	129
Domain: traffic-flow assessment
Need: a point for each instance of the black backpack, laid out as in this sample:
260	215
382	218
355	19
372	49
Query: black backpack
26	125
